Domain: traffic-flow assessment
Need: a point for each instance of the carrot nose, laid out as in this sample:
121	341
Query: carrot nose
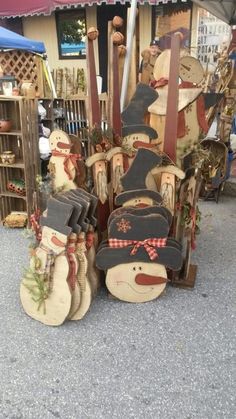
57	242
143	279
142	144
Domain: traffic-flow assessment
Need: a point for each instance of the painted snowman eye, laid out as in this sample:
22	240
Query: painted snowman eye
140	268
134	269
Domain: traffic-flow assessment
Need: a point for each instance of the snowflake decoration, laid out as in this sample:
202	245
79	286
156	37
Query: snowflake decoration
123	225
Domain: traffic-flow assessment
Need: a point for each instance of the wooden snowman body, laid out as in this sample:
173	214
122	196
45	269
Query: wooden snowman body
55	308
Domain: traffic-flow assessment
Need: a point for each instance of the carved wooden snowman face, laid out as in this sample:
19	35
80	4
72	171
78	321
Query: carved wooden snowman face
133	141
53	239
141	201
136	282
59	143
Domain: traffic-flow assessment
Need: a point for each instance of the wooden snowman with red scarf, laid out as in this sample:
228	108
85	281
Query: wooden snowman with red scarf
138	249
63	163
45	293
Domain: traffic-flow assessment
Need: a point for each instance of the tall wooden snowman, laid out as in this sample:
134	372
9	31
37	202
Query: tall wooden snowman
138	250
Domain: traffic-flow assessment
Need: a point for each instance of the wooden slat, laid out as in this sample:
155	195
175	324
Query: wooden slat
170	137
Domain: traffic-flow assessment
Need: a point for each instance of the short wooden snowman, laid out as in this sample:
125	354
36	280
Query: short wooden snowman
136	256
63	163
45	293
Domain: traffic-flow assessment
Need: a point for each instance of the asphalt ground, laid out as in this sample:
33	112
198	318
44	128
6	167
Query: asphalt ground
173	358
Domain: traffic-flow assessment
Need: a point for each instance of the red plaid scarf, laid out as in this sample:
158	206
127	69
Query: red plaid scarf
68	157
148	244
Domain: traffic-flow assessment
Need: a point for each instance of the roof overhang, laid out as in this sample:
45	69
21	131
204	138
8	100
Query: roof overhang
223	9
16	8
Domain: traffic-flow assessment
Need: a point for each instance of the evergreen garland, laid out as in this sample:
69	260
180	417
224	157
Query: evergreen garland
37	284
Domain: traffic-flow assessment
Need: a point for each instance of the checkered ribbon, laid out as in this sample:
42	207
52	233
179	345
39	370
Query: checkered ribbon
81	256
72	277
148	244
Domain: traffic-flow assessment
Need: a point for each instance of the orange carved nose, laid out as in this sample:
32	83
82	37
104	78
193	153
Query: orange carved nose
143	279
57	242
142	144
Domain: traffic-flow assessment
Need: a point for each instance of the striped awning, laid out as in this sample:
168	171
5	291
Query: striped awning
16	8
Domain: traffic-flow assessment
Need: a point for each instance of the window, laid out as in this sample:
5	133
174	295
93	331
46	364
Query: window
71	31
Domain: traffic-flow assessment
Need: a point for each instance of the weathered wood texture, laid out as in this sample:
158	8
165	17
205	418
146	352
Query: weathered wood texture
23	141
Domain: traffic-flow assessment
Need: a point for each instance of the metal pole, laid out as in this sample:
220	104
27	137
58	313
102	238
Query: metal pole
130	33
50	79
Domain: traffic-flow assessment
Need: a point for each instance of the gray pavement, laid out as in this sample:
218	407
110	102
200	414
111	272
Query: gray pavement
173	358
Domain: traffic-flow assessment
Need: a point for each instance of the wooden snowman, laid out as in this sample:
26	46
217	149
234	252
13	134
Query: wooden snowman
138	251
136	255
167	176
191	116
63	163
45	293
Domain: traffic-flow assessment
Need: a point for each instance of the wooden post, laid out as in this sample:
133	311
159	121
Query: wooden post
131	26
170	136
94	114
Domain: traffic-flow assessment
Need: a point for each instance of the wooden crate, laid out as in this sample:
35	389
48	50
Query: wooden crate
23	141
51	121
24	65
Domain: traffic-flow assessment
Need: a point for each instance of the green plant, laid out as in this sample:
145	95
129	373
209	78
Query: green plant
37	284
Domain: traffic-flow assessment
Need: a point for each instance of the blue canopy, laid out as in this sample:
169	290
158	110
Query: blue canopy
12	40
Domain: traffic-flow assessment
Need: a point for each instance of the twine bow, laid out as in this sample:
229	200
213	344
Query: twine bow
68	157
50	261
148	244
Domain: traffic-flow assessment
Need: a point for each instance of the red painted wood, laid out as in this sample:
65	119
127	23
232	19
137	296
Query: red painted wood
94	108
170	137
116	115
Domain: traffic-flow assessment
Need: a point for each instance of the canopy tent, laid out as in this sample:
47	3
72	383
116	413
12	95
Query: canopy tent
11	40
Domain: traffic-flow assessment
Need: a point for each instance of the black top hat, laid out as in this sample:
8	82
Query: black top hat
133	115
140	129
83	220
131	227
93	205
58	215
74	218
134	180
140	212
